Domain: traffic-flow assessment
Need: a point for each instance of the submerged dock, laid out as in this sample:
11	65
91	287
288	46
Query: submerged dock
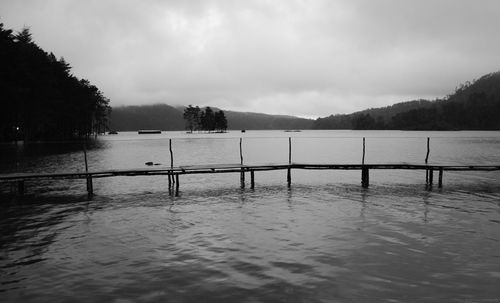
173	172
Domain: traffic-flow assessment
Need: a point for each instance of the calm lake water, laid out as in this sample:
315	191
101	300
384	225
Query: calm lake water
325	239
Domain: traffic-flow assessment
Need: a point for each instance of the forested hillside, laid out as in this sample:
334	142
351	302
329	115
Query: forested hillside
41	99
474	106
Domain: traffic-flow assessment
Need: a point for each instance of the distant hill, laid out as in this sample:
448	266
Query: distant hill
166	117
473	106
244	120
157	116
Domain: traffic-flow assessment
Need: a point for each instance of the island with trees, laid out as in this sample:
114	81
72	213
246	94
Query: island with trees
41	99
207	120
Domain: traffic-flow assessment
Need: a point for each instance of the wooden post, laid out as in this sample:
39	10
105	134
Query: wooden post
289	150
427	181
242	178
440	180
169	183
171	180
171	153
363	159
431	176
428	150
365	174
252	179
365	177
241	152
242	174
176	185
289	172
90	189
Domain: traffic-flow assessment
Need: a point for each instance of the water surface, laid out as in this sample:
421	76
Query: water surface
323	240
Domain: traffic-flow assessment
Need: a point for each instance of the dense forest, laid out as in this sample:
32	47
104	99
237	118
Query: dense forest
473	106
41	99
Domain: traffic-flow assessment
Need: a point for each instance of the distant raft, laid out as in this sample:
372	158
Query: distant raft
148	131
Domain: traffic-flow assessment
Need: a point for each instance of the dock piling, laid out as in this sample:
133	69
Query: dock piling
431	176
252	179
365	177
90	187
176	185
440	179
365	173
169	183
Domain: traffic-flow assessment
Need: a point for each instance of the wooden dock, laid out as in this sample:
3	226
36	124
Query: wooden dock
173	173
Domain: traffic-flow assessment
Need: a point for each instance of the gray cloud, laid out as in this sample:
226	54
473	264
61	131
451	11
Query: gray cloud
308	58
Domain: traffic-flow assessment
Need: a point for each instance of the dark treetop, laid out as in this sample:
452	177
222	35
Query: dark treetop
41	99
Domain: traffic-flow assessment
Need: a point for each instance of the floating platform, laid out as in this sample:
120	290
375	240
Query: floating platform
148	131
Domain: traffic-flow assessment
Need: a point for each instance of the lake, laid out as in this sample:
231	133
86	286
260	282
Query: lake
324	239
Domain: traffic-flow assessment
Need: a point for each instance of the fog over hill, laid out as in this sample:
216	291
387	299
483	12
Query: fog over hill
166	117
473	105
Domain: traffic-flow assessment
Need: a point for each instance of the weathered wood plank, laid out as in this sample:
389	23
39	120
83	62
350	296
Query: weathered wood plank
233	168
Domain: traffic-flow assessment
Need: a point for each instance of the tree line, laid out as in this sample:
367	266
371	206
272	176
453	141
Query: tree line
473	106
204	120
40	98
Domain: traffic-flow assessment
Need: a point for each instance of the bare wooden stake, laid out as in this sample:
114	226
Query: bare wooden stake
363	159
289	170
289	150
428	150
171	153
241	152
365	177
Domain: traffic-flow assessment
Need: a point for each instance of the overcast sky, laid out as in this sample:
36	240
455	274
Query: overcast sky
305	58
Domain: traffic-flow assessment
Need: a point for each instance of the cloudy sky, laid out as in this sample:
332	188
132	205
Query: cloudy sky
306	58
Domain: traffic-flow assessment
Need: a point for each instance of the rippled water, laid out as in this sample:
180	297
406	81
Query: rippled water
323	240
